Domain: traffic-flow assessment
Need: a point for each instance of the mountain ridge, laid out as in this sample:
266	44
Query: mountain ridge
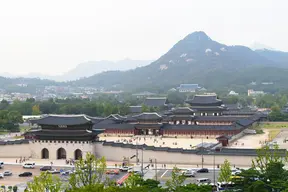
191	60
197	58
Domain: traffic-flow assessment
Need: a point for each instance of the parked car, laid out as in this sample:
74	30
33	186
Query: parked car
201	181
54	171
46	168
236	172
1	175
189	173
25	174
112	171
203	170
125	168
65	173
29	165
7	173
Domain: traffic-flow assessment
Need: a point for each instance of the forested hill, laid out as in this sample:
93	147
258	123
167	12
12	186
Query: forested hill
197	59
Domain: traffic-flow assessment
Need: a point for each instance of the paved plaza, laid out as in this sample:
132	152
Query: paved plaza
251	141
185	143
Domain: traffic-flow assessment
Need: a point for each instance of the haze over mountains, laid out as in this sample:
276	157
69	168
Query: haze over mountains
87	69
195	59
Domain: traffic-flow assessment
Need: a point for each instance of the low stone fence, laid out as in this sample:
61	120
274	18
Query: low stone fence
222	151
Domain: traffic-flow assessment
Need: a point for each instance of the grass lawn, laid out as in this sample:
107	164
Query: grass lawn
280	125
273	133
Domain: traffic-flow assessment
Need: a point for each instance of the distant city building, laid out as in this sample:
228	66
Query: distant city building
267	83
185	88
252	93
233	93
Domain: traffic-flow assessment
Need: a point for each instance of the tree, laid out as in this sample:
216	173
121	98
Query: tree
177	179
89	172
45	182
225	172
36	110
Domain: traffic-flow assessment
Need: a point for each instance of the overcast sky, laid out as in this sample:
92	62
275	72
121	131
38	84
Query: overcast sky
54	36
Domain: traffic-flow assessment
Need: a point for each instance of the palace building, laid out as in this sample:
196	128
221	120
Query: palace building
206	117
71	136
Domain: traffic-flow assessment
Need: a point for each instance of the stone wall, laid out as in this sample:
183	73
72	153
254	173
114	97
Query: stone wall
113	153
34	149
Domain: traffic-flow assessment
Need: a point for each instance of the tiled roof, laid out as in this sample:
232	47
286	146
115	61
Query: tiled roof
114	126
200	127
210	108
204	100
217	118
135	109
155	101
70	133
182	110
148	116
62	120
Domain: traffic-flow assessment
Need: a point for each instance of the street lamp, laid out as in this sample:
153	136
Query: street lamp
142	171
214	175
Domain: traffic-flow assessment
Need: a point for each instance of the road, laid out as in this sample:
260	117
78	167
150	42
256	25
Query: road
164	175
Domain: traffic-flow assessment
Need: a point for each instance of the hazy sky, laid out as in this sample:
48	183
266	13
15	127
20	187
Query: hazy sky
54	36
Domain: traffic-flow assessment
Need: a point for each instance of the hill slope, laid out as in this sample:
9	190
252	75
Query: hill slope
195	59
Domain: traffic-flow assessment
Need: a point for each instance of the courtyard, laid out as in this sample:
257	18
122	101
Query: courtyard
185	143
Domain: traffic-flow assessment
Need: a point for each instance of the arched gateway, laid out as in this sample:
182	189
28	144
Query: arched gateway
77	154
61	153
44	154
60	133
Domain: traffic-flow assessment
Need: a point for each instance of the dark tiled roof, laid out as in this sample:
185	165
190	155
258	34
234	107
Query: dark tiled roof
114	126
200	127
115	116
245	122
148	116
62	120
70	133
182	110
217	118
109	121
95	119
182	117
210	108
238	113
135	109
233	107
155	101
205	100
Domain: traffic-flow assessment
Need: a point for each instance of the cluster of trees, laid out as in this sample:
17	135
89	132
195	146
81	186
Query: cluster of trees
97	107
277	114
9	120
267	173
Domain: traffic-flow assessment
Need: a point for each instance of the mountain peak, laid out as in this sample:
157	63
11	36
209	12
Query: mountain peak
198	35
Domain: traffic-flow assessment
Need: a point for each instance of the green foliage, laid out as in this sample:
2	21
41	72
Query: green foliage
176	181
46	181
225	172
15	188
88	172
